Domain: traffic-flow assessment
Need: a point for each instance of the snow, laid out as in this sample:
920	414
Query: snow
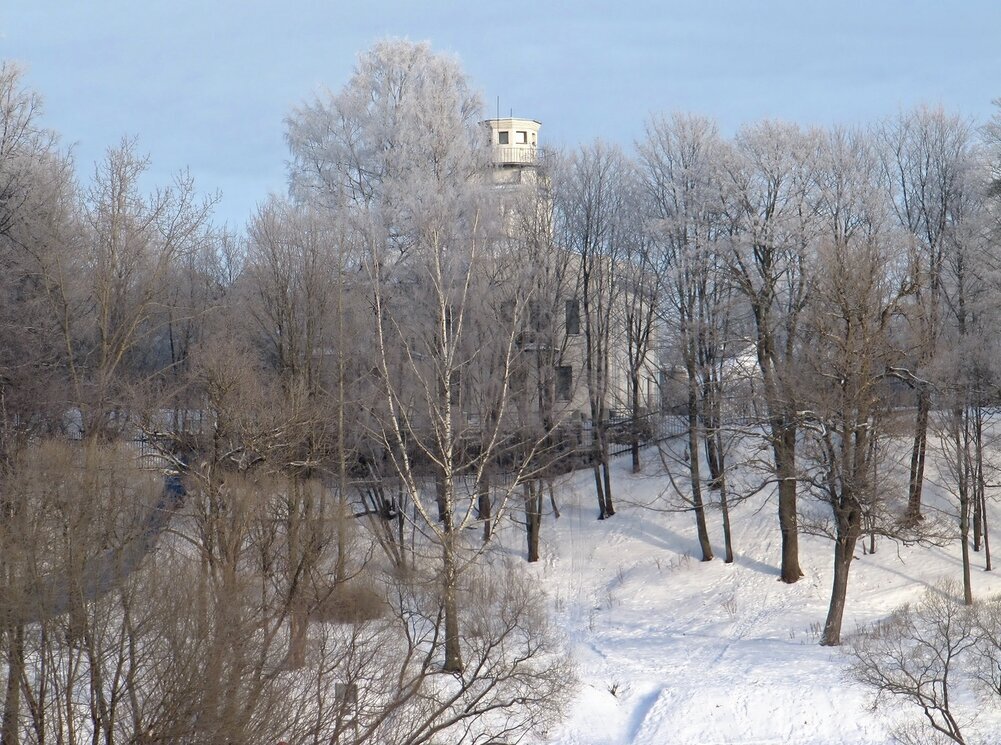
672	650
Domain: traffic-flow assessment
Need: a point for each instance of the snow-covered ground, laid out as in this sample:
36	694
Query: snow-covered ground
672	650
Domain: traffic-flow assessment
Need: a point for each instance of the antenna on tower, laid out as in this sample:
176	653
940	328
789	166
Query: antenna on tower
498	107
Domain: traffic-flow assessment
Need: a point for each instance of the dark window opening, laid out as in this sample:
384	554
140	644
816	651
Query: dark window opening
346	698
507	311
573	317
564	383
503	138
538	315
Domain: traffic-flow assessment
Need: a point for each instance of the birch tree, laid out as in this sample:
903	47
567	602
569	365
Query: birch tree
401	152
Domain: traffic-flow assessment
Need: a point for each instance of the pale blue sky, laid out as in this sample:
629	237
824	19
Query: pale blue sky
205	85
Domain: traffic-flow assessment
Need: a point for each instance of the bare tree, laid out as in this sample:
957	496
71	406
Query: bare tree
680	157
590	208
246	624
538	280
769	177
133	244
916	655
35	214
963	368
926	155
640	300
855	295
400	150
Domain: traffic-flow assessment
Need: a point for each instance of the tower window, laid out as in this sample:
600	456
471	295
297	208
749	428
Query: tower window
521	138
502	137
564	383
572	320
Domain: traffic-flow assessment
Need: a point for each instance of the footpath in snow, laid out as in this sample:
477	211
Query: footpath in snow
672	650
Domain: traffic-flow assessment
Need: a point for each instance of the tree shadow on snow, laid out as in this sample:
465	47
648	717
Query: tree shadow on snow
639	714
662	537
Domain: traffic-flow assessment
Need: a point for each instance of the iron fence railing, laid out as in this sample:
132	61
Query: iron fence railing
649	429
514	153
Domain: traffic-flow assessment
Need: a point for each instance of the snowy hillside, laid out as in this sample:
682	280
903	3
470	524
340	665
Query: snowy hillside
672	650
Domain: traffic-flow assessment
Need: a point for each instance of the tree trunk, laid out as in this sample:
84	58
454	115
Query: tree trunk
870	520
987	541
714	451
440	497
978	477
602	477
634	383
725	508
844	550
450	582
978	526
599	489
10	733
533	517
483	505
964	534
965	485
298	628
607	475
696	479
918	450
784	446
980	495
401	525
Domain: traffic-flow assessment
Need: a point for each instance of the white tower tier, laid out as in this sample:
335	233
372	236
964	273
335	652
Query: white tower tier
513	141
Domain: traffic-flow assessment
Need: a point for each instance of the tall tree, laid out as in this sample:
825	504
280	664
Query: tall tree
590	208
680	158
401	152
769	178
963	371
856	293
640	310
107	297
35	211
926	158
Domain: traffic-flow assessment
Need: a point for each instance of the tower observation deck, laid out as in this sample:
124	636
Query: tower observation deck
513	142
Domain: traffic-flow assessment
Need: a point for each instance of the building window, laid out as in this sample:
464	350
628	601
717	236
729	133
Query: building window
502	137
564	383
540	316
521	138
573	317
346	698
507	309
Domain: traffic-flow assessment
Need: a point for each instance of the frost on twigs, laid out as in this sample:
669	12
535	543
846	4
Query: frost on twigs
938	658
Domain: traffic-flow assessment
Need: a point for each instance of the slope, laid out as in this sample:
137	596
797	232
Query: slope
672	650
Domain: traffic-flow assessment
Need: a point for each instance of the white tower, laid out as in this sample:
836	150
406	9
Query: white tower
513	150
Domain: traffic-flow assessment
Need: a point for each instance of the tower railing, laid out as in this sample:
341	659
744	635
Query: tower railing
503	154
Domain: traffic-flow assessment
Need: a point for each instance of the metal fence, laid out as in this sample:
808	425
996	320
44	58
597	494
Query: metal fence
649	429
